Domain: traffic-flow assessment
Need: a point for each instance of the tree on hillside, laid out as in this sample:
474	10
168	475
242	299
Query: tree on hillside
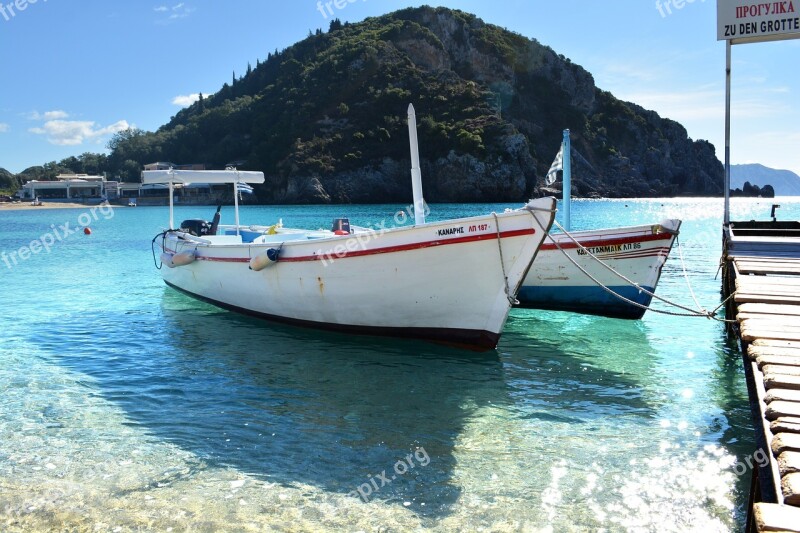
128	145
8	181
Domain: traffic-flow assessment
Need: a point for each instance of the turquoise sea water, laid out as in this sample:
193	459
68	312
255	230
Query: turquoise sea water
129	407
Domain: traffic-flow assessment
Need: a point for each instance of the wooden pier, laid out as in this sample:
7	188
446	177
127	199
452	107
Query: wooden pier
762	280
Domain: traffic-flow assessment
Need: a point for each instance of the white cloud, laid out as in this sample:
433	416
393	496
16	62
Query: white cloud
49	115
74	132
706	102
4	127
55	115
186	100
176	12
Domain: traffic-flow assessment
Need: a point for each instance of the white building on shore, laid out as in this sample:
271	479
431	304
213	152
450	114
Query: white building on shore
90	189
69	187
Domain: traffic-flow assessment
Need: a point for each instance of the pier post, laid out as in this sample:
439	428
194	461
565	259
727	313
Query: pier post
727	191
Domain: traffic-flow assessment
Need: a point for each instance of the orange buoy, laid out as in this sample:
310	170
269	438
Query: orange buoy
87	231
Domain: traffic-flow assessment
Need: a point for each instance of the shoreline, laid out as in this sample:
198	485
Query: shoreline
25	206
20	206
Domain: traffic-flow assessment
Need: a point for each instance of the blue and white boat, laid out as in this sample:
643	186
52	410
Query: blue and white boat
637	253
610	272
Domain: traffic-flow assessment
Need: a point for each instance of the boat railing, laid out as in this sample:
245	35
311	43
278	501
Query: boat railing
758	228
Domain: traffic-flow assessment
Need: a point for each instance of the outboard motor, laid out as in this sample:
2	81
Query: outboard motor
341	226
196	227
215	222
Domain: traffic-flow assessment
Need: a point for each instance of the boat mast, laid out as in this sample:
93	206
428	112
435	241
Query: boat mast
236	200
416	173
171	204
566	180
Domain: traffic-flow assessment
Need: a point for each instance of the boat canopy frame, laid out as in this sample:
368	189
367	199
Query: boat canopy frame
174	177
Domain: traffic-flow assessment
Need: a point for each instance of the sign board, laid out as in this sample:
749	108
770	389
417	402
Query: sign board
751	21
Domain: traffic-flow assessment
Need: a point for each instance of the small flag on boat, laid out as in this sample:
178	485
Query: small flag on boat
555	167
244	188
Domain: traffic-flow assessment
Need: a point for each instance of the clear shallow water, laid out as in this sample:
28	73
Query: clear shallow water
126	405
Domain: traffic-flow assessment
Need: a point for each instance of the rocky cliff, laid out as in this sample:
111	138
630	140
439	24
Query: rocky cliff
325	119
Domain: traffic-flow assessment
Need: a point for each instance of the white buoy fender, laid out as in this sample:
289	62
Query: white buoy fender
177	260
263	260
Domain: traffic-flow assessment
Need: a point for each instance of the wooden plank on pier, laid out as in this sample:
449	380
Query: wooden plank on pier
784	442
754	332
789	463
766	298
773	518
778	324
778	409
788	282
790	483
781	381
781	369
771	292
788	321
762	284
769	309
776	343
760	267
756	351
782	395
754	329
774	358
785	424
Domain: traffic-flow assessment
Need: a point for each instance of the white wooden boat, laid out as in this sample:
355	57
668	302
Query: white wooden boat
637	253
450	281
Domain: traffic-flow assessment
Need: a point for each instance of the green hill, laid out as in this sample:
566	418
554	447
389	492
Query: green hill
8	181
325	119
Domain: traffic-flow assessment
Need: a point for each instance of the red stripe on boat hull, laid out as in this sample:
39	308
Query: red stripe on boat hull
607	242
385	250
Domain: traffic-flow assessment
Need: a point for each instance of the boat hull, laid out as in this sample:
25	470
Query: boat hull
638	253
441	282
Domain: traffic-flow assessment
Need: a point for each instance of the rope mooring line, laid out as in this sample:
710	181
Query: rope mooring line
689	311
686	274
511	299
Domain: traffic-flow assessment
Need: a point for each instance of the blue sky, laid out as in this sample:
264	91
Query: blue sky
74	72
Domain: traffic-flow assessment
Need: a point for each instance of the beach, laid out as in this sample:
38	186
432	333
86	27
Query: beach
15	206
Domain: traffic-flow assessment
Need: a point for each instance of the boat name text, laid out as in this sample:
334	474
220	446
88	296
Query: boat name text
450	231
610	249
